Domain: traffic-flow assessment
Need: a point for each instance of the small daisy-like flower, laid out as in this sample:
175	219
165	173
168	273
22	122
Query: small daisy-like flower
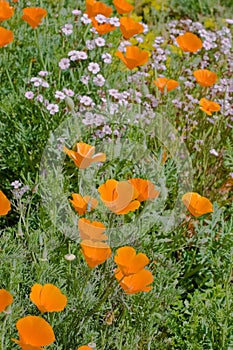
85	79
107	58
114	21
86	101
93	67
99	80
43	73
90	44
29	95
214	152
146	28
64	63
85	19
67	29
16	184
100	42
52	108
68	92
60	95
39	98
101	19
36	81
76	12
45	84
70	257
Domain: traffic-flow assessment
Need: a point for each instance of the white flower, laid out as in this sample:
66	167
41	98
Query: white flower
64	63
43	73
114	21
67	29
101	19
93	67
60	95
68	92
52	108
85	79
45	84
107	58
146	28
85	19
214	152
76	12
29	95
36	81
16	184
77	55
90	44
70	257
86	101
39	98
99	80
100	42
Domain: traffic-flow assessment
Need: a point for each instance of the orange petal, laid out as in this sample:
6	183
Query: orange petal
5	205
196	204
135	283
95	253
6	299
128	262
33	15
91	230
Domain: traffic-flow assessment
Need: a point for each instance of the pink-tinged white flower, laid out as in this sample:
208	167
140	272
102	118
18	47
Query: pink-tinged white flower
39	98
123	44
114	21
101	19
107	58
99	80
90	44
52	108
76	12
114	93
85	79
93	67
60	95
214	152
36	81
29	95
68	92
146	28
43	73
67	29
16	184
93	30
86	101
44	84
64	63
100	42
85	19
70	257
77	55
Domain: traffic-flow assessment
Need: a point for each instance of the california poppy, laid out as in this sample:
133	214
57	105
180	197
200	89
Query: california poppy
119	197
164	84
102	28
5	204
122	6
91	230
196	204
6	11
6	36
129	262
145	188
34	332
129	27
189	42
33	15
48	298
83	157
82	204
85	347
138	282
134	57
6	299
94	8
205	77
208	106
95	253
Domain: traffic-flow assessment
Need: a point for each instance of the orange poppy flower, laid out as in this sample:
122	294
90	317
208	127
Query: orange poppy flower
119	197
196	204
5	204
138	282
205	77
33	15
94	8
34	332
134	57
81	204
6	299
122	6
164	84
129	262
102	28
208	106
6	11
91	230
146	189
129	27
83	157
48	298
85	347
6	36
189	42
95	253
